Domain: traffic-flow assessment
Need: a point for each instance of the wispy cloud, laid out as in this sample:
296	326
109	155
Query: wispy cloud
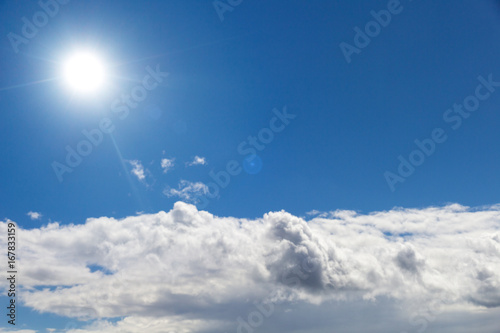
34	215
167	164
197	160
315	212
187	191
137	169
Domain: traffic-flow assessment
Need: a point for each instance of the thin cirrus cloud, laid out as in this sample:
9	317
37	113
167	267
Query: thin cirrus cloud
190	271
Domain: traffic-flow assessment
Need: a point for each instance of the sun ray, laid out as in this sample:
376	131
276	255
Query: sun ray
194	47
22	85
127	175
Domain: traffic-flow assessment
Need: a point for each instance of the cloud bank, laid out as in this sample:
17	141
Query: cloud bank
190	271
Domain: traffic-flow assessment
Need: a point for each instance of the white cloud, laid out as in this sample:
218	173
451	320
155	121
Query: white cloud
190	271
187	191
313	212
34	215
167	164
137	169
197	160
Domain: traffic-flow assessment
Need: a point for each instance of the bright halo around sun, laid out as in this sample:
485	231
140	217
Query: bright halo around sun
84	73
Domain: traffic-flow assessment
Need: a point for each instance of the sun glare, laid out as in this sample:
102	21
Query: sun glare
84	73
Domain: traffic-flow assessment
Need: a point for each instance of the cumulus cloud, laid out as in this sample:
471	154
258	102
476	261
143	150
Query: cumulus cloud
190	271
167	164
197	160
137	169
187	191
34	215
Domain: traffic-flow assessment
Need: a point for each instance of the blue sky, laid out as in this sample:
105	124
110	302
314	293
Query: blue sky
227	80
353	120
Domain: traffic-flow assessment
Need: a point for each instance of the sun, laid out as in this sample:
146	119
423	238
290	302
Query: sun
84	73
